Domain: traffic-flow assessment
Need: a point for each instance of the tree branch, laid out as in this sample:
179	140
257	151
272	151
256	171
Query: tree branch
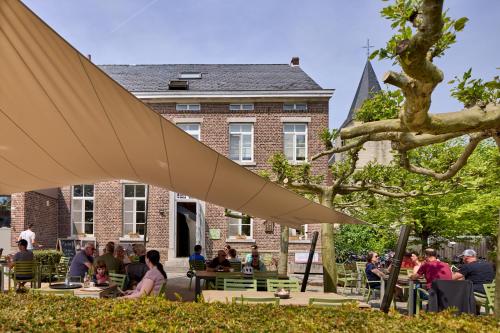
336	150
453	169
396	79
354	160
305	188
468	120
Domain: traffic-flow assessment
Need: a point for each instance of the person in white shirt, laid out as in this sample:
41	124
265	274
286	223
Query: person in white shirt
29	236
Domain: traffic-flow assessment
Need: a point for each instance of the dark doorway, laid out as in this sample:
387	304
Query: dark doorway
186	228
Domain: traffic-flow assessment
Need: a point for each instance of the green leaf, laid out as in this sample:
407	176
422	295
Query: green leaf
460	23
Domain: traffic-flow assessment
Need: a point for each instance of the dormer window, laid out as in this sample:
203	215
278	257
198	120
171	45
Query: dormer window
190	75
178	85
295	107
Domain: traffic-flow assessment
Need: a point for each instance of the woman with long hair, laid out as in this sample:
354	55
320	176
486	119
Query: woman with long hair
155	277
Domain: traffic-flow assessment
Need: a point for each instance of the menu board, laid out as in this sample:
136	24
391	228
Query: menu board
68	246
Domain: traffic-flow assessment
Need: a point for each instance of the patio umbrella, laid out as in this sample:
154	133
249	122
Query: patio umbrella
64	121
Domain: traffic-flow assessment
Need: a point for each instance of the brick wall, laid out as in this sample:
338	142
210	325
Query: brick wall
39	210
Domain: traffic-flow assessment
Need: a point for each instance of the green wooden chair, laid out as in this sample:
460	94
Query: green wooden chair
195	265
54	292
346	279
487	300
119	279
262	278
274	284
314	301
163	290
246	300
240	284
24	271
221	276
420	300
64	261
235	265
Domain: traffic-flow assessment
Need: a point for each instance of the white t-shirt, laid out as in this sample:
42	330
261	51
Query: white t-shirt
29	236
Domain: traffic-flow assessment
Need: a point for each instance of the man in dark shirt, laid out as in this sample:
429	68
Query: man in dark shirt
219	263
82	261
479	272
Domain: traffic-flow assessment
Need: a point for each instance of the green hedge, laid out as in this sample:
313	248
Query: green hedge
29	313
47	257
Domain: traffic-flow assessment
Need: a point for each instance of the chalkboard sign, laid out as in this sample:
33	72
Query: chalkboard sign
68	247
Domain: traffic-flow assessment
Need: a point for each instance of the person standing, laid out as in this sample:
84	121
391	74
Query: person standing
479	272
29	236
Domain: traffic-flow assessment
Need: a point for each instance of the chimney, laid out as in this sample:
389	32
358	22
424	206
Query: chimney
89	56
294	62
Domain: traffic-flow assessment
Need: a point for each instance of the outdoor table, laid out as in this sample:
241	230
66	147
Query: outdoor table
210	276
296	297
96	292
404	281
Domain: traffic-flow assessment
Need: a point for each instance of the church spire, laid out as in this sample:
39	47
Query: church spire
368	84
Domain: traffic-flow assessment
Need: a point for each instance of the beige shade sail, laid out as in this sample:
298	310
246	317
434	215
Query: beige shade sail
64	121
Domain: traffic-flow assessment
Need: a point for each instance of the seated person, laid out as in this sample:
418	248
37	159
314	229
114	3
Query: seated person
432	269
372	272
114	265
479	272
256	264
219	263
233	256
407	262
121	255
255	252
154	279
22	255
82	261
197	254
101	275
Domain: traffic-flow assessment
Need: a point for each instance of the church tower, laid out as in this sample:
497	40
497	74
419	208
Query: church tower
379	151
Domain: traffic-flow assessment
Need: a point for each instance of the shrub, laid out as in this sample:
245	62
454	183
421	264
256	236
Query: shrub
29	313
47	257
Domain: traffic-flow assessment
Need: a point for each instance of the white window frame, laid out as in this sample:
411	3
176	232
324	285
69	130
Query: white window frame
238	222
241	134
82	221
302	233
294	106
295	133
194	133
241	107
187	107
134	210
190	75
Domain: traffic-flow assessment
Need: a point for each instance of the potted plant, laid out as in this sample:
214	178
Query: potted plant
134	235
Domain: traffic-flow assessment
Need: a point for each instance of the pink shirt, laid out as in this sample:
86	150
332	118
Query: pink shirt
155	276
434	270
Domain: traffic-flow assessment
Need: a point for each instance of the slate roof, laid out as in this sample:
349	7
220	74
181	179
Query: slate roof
155	78
367	85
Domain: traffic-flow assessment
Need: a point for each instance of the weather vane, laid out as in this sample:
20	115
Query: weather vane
368	47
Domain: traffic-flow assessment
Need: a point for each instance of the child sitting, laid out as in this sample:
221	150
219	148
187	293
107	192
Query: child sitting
101	275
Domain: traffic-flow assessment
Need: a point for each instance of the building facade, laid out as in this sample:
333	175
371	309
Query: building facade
246	112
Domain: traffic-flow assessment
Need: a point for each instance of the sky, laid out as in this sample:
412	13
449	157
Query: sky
327	35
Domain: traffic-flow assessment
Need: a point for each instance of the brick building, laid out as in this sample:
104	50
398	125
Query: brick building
246	112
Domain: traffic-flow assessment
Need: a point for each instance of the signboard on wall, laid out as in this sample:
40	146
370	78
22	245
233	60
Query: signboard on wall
301	257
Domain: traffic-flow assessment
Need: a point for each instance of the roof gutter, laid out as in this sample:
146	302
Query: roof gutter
324	93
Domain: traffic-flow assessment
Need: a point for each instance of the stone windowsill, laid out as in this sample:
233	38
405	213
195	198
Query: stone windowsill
237	240
133	240
300	241
247	163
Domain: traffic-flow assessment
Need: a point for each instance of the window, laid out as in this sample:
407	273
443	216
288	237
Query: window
295	107
240	107
134	209
295	136
298	234
190	75
187	107
239	228
192	129
82	210
241	142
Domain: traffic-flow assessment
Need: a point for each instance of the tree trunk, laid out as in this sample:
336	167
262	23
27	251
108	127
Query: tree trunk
328	257
497	277
283	262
